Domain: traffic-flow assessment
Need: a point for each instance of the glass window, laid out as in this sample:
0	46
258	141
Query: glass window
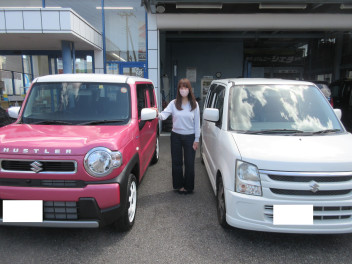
11	63
112	68
125	31
6	82
88	9
19	89
133	71
209	94
151	95
78	103
210	97
59	65
41	66
279	109
219	103
142	98
27	74
220	91
26	64
324	77
84	64
12	76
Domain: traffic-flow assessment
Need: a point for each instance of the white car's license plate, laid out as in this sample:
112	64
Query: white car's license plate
293	214
22	211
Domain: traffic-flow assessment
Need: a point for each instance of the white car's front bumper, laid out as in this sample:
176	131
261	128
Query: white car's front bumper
256	213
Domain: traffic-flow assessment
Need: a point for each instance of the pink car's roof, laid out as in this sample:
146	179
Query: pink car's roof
101	78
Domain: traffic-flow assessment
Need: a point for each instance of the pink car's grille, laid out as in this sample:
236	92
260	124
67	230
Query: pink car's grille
38	166
60	210
42	183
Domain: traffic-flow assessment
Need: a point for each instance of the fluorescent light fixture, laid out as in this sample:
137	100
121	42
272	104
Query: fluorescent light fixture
346	6
116	7
282	6
200	5
118	57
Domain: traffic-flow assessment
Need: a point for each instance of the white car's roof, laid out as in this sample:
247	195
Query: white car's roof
90	77
251	81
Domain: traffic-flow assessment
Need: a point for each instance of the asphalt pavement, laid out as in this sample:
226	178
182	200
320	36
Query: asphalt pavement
170	228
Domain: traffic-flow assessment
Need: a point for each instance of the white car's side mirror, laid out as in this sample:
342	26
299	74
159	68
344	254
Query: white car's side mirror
338	113
14	111
148	114
211	114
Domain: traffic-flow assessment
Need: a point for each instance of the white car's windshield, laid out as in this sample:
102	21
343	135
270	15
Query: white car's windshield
280	108
77	103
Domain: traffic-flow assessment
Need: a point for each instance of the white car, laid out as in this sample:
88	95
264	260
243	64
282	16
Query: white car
278	157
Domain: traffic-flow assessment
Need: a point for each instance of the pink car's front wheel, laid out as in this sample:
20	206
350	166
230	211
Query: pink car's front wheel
128	217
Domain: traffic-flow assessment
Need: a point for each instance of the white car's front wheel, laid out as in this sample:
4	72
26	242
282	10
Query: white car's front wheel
220	204
201	151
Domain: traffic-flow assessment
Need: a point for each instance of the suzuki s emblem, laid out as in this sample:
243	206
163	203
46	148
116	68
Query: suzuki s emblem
314	186
36	166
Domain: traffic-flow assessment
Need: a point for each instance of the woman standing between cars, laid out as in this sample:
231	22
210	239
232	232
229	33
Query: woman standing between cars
184	135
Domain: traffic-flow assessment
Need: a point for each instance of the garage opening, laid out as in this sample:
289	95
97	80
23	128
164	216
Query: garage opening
202	56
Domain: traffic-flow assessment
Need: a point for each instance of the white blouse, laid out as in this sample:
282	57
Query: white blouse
185	121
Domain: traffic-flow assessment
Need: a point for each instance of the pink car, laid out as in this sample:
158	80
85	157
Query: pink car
77	152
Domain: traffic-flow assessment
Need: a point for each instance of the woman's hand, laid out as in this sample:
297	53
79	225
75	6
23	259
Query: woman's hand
156	109
195	145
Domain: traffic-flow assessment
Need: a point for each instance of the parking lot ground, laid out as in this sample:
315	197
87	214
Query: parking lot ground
170	228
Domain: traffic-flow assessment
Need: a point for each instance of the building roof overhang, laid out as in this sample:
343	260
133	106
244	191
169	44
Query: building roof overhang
248	6
45	29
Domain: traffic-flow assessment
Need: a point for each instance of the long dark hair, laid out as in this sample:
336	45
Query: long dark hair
185	83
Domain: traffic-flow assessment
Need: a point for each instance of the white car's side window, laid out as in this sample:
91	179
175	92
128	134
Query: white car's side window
214	100
217	101
207	99
211	97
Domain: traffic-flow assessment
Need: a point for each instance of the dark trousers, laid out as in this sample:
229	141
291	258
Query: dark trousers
178	143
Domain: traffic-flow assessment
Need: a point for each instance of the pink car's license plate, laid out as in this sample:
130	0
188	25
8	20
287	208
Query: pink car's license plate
22	211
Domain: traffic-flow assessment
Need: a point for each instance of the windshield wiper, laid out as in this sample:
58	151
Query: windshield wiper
52	122
275	131
97	122
326	131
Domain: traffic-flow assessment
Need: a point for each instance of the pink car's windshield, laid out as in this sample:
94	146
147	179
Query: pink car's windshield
78	104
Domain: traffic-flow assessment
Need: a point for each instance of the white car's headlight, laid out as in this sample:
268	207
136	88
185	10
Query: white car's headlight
247	179
100	161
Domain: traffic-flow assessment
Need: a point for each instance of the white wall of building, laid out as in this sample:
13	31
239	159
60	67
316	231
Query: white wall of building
154	54
99	61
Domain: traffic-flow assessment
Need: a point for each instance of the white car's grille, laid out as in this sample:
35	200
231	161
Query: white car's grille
307	184
292	178
309	193
329	193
